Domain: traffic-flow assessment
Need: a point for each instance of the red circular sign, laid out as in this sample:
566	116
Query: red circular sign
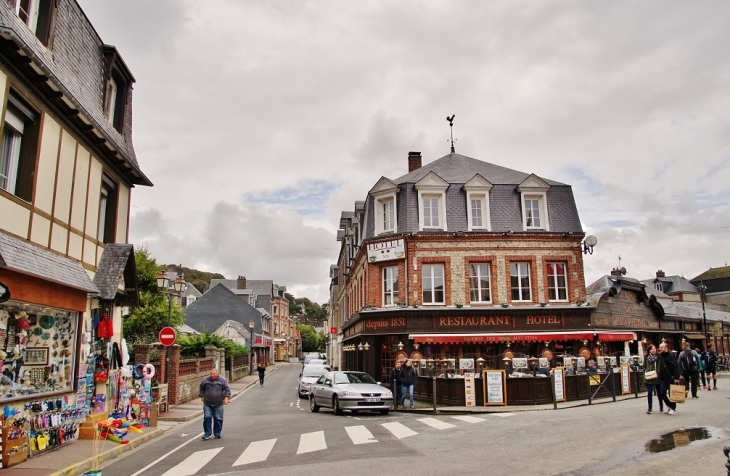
167	336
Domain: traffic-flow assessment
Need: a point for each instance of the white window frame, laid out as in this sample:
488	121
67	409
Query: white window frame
432	187
13	133
33	9
542	210
659	286
552	281
383	192
111	100
380	220
520	276
433	274
390	280
478	276
478	189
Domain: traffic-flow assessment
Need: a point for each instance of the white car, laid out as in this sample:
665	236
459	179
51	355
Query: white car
310	374
353	391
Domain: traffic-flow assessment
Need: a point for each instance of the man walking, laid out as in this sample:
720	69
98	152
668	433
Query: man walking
668	371
711	367
395	384
214	393
689	363
407	379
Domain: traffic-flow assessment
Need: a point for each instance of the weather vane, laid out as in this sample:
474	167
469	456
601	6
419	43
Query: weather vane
451	125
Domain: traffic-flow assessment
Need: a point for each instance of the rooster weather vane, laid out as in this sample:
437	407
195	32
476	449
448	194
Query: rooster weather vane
451	125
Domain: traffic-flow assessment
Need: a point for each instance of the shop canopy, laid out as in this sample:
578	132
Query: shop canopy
501	337
616	336
695	336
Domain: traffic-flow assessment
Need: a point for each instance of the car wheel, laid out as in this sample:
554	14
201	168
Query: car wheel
384	412
299	393
336	405
313	407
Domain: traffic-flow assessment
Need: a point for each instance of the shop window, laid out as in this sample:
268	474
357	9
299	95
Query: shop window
433	283
390	286
479	277
107	210
18	149
557	282
520	281
39	16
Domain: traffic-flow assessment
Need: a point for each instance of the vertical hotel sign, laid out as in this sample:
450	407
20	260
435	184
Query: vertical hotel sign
469	390
386	251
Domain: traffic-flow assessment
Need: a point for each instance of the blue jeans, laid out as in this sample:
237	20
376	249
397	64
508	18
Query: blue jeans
651	389
663	397
406	389
215	414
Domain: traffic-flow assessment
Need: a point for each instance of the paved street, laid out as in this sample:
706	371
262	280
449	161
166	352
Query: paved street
268	431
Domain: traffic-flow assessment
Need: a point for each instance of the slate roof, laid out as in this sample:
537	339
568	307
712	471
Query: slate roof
218	305
116	262
713	273
191	290
672	284
27	258
264	289
683	310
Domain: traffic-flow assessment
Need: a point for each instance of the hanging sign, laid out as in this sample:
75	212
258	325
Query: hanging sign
470	390
495	388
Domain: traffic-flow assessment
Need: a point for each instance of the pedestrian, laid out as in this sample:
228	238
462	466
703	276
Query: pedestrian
689	364
703	367
711	367
407	379
395	383
652	384
668	372
262	370
214	393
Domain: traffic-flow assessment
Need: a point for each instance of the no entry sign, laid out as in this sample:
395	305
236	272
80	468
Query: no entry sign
167	336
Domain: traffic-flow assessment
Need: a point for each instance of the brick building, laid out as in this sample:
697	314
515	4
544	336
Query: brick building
459	259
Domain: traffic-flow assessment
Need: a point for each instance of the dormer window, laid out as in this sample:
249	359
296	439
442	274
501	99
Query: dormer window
477	203
384	198
432	202
116	91
534	203
39	16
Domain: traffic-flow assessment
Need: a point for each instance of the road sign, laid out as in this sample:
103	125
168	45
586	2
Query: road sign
167	336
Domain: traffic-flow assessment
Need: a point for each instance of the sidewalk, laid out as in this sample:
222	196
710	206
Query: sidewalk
84	455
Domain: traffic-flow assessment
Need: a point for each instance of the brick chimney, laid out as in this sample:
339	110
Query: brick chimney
414	161
241	282
660	274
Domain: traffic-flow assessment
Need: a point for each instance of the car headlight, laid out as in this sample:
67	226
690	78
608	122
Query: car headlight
350	394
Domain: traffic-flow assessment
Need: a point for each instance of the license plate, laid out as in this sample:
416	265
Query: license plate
372	400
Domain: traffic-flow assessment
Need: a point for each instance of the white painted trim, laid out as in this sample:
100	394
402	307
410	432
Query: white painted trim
542	198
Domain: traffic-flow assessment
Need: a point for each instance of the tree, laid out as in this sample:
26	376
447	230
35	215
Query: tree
194	345
145	321
310	339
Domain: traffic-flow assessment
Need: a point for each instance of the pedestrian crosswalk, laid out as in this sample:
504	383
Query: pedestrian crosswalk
259	451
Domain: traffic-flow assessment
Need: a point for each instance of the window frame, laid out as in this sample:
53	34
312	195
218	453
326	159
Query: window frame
480	290
108	208
432	279
552	279
520	277
20	169
389	277
542	210
432	187
41	19
380	203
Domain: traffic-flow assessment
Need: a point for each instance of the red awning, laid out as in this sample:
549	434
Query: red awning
488	338
617	336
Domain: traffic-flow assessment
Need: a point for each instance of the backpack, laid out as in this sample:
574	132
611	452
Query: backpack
690	360
711	357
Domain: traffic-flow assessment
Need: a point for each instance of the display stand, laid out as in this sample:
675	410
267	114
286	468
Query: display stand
15	450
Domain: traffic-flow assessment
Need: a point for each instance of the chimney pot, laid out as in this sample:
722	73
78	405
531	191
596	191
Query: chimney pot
241	282
414	161
660	274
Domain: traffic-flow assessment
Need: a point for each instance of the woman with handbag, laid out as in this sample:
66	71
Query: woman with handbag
668	371
651	377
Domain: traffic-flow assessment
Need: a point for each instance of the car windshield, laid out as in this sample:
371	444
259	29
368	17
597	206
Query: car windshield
317	362
314	371
353	378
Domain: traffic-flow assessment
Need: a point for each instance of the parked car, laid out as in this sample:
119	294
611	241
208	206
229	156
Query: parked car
310	373
313	359
353	391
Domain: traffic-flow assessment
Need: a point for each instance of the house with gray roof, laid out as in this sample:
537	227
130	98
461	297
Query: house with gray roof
676	287
717	281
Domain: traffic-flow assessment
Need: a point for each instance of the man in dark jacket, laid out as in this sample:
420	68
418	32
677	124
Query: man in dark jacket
214	393
395	383
407	379
689	364
668	372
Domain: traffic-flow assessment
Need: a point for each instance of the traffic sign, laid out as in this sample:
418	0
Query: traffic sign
167	336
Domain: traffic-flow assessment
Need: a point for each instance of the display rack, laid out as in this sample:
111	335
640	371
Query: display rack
15	450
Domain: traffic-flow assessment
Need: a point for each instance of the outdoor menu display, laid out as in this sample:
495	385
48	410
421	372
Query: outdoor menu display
625	381
495	390
559	377
469	390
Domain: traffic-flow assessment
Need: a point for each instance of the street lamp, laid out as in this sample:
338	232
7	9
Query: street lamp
164	286
703	289
250	358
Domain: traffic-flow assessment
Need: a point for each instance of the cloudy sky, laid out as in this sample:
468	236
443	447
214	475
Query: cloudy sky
259	122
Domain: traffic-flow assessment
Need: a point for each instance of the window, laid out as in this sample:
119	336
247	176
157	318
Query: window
118	83
38	16
557	282
276	311
111	100
432	202
659	286
477	212
108	211
388	208
433	283
477	203
431	211
385	206
532	212
18	149
534	203
520	281
390	286
479	274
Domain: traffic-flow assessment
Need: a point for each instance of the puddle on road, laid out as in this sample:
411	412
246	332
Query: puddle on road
677	438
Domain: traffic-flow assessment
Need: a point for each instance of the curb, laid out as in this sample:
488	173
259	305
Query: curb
95	461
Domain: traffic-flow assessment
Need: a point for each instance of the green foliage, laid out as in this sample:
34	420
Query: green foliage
309	312
194	345
310	338
199	279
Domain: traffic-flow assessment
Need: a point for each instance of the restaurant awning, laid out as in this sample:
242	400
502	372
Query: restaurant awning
502	337
695	336
616	336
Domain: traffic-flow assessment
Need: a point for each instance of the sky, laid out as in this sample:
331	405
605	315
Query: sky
259	122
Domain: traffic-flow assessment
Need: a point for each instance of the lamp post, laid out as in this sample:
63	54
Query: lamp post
703	289
250	359
163	284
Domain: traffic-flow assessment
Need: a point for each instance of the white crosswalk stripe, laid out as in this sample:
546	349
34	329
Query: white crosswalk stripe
438	424
256	452
469	419
399	430
309	442
502	415
360	435
193	463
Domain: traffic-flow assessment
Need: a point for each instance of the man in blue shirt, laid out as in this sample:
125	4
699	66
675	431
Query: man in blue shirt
214	393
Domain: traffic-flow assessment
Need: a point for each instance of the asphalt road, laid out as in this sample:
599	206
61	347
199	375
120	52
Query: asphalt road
269	431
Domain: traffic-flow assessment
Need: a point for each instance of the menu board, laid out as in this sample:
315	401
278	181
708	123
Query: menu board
559	379
625	380
469	390
495	388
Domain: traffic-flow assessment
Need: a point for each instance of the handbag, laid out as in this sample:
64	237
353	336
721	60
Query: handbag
105	330
651	375
676	393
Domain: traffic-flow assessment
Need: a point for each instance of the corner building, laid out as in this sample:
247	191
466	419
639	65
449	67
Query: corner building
460	263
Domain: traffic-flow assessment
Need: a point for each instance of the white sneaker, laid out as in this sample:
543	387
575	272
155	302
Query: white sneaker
671	412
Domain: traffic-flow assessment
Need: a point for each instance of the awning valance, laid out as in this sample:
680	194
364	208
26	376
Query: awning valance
616	336
501	337
695	336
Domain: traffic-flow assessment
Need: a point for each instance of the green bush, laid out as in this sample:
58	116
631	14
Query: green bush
194	345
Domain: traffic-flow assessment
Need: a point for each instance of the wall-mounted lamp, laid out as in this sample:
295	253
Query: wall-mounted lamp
416	345
360	346
589	243
366	346
400	346
547	343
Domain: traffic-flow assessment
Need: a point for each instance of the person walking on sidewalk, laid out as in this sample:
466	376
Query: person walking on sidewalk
652	384
214	393
668	372
711	367
689	363
395	383
703	367
262	370
407	379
